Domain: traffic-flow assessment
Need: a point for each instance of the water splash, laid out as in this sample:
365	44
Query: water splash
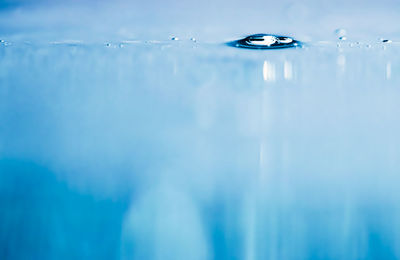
265	41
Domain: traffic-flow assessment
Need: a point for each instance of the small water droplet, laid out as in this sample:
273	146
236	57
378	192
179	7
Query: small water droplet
1	41
121	45
342	38
193	39
340	32
108	44
174	38
265	41
368	45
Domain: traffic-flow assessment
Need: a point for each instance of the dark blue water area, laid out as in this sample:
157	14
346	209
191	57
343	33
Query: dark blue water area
42	218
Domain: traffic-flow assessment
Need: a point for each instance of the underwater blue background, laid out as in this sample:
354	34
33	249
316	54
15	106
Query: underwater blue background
117	142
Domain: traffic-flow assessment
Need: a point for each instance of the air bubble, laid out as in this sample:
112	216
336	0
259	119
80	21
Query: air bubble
340	32
174	38
4	43
386	41
265	41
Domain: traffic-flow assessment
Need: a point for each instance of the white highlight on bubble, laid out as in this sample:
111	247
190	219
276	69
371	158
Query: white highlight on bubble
266	40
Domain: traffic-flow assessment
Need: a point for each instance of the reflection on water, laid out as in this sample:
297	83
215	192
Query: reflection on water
167	152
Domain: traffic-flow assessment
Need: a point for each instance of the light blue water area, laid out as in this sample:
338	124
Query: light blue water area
117	142
184	150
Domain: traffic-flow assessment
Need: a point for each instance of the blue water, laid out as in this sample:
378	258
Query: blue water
118	143
183	150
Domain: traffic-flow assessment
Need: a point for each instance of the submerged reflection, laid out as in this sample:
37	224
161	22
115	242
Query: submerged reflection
268	71
388	70
341	62
287	70
137	162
